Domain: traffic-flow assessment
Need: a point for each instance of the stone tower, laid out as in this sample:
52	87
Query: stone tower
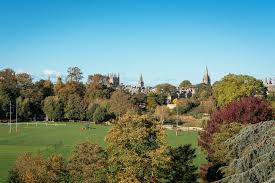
114	80
141	82
206	78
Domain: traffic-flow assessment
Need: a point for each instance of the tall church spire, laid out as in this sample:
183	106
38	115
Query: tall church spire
206	78
141	82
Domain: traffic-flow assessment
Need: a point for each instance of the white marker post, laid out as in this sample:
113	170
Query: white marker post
177	121
10	117
16	116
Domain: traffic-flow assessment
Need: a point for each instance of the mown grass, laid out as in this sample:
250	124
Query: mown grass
61	139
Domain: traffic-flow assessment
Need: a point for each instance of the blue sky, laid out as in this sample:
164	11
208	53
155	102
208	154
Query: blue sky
167	41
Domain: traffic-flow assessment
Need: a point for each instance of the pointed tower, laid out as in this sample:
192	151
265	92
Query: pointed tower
141	82
206	78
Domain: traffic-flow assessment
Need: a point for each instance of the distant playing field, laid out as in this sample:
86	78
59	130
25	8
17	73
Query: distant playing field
61	139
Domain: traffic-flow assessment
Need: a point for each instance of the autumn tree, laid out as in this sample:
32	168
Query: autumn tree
35	169
234	87
248	110
162	113
70	88
88	164
120	103
96	81
58	85
137	150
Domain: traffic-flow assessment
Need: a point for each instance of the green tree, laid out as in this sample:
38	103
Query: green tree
203	92
23	108
24	84
74	108
137	150
8	91
4	105
100	115
252	154
88	163
8	83
53	107
91	110
74	74
166	88
185	105
140	101
186	84
155	99
39	91
182	168
219	149
234	87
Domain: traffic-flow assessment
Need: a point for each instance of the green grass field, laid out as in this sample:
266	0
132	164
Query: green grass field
61	139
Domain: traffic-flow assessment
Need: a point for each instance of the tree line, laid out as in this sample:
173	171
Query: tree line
71	99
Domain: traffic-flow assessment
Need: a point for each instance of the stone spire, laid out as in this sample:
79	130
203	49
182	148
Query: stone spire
206	78
141	82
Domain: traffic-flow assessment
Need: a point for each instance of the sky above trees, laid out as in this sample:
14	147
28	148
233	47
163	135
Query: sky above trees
167	41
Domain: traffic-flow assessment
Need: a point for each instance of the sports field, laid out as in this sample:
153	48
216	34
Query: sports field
61	139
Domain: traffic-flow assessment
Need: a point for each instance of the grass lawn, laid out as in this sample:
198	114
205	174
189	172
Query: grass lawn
61	139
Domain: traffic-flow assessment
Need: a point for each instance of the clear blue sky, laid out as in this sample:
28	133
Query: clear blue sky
168	41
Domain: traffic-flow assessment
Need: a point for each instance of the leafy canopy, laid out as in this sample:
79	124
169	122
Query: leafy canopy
234	87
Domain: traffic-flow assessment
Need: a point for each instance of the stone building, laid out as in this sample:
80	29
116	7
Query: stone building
113	80
270	85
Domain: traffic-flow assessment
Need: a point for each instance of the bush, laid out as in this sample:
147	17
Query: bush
185	105
35	169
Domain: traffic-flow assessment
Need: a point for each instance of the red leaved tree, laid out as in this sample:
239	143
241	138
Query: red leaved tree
249	110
